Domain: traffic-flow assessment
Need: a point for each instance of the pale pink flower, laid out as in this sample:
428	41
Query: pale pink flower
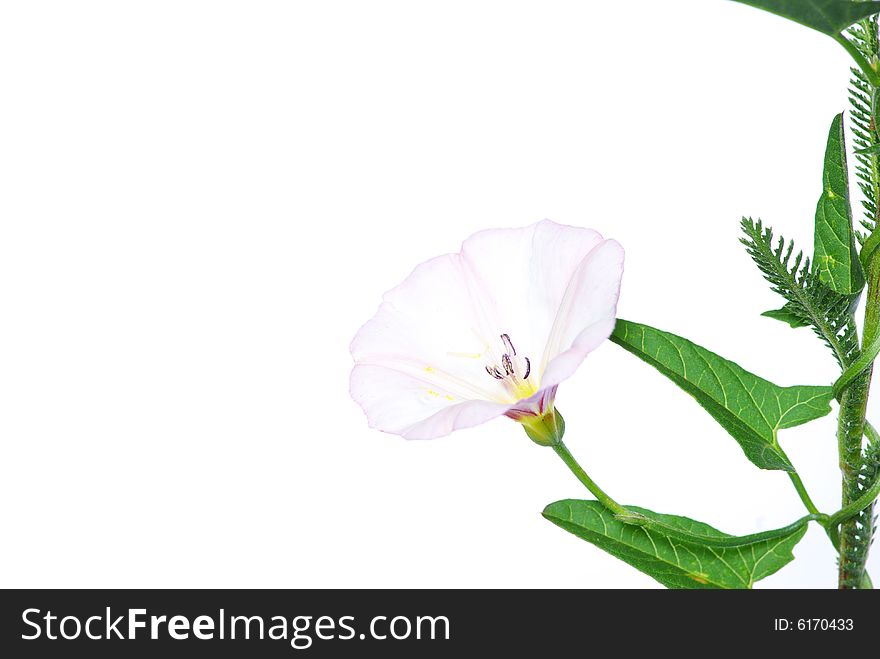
487	332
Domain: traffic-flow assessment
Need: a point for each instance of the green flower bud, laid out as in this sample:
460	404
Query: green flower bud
544	430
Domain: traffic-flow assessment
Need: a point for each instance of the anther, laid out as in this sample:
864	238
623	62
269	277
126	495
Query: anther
510	368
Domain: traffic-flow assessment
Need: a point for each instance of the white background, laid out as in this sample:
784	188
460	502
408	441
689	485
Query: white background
201	202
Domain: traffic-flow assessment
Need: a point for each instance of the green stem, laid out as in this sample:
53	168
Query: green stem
823	519
801	489
802	493
857	506
563	452
854	536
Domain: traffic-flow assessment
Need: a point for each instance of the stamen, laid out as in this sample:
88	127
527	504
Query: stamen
514	370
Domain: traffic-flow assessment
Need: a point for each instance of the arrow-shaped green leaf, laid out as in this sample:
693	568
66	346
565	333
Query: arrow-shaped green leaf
750	408
671	560
828	16
836	257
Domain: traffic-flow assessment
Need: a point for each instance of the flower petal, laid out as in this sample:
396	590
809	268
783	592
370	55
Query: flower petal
399	403
586	314
523	275
427	327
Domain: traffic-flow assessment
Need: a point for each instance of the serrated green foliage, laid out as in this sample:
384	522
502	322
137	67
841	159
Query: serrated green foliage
787	316
860	533
750	408
868	150
829	313
868	476
673	562
836	258
828	16
863	124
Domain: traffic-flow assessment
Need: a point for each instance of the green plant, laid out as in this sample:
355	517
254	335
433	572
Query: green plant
821	292
494	330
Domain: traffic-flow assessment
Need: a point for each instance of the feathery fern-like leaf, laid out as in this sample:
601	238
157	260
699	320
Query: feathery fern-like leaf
866	521
807	299
863	98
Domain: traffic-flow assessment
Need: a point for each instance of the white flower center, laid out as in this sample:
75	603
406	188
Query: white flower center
514	371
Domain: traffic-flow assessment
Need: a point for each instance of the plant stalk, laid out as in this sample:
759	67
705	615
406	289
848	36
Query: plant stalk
803	494
855	533
563	452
